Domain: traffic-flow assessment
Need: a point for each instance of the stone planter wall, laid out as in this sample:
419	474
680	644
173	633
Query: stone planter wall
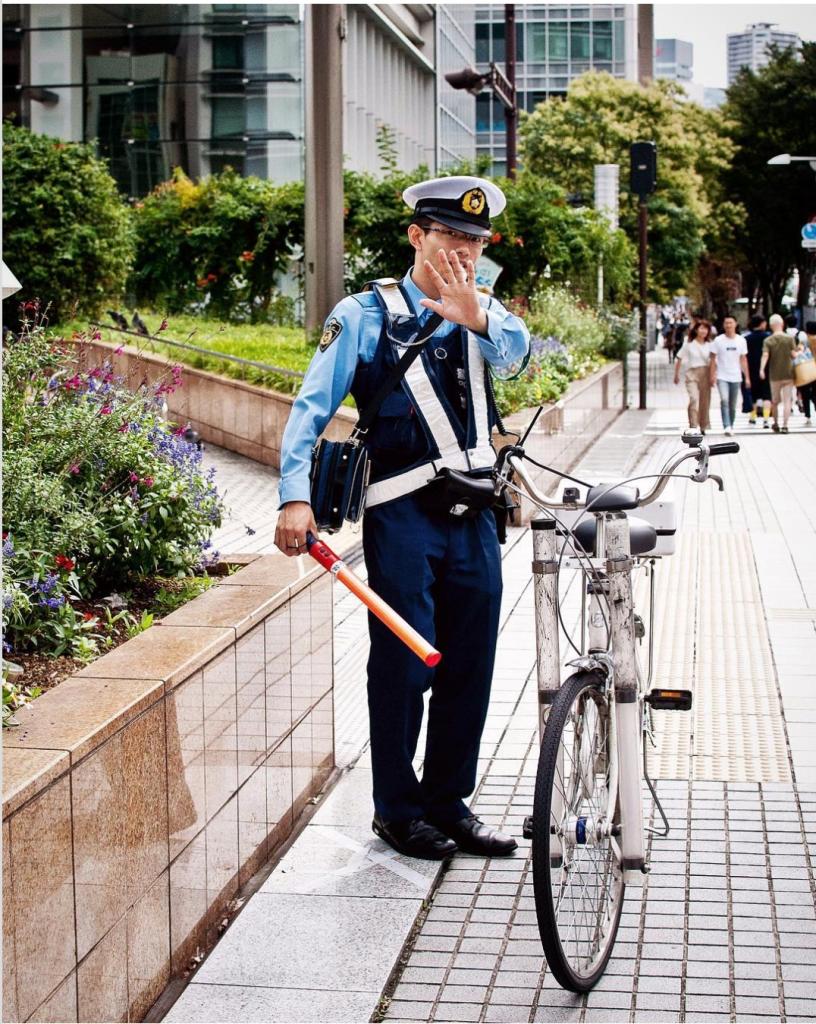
226	412
140	794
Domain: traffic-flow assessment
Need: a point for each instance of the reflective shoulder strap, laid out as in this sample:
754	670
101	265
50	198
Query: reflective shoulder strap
391	297
478	392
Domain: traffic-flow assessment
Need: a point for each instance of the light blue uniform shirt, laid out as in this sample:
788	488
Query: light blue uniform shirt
330	374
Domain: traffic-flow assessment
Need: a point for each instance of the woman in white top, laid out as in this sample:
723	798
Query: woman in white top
694	356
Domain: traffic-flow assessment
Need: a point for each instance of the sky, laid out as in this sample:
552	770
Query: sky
707	25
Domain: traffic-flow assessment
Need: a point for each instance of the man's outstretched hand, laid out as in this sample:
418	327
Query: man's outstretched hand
295	520
458	298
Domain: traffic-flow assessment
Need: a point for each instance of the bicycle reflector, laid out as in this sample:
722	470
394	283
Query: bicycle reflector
670	700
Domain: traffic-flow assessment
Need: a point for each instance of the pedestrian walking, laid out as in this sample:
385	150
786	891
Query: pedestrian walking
777	364
694	356
729	367
804	370
441	571
760	388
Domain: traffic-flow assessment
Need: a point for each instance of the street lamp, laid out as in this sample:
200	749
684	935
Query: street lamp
503	86
784	159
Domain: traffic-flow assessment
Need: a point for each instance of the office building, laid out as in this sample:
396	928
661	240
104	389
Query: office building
751	48
673	59
205	86
554	45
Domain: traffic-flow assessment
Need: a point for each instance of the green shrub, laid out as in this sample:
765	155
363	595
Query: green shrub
98	489
68	235
568	341
219	243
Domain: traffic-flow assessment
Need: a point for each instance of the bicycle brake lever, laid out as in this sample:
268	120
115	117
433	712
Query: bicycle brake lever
700	473
718	480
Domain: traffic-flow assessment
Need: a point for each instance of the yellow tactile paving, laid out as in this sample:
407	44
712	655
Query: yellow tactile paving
711	637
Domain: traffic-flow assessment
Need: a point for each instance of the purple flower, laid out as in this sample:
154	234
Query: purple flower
8	549
52	602
8	600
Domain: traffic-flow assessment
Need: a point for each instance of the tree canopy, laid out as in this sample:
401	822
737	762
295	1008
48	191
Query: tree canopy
773	112
690	215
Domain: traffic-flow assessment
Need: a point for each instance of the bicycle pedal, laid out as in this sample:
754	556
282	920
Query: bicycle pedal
527	827
669	700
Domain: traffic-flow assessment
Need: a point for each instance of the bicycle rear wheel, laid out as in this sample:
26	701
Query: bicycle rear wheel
577	876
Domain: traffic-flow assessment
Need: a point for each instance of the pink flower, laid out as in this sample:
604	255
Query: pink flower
96	336
119	350
134	478
74	468
147	481
179	431
106	410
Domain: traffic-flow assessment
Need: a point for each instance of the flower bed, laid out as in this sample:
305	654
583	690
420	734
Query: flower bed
100	493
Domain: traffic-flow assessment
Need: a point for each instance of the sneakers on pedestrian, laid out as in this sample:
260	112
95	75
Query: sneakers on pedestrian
729	431
764	424
784	430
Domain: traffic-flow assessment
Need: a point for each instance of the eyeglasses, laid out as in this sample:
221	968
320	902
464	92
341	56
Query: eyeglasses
460	238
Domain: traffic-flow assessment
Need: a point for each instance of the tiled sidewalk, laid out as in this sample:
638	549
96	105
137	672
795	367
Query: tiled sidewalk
724	927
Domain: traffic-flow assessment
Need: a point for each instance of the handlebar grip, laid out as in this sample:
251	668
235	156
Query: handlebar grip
725	448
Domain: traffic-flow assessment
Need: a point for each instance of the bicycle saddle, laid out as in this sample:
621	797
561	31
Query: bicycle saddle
642	535
617	498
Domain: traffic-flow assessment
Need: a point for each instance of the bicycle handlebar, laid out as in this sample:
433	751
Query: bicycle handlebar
512	456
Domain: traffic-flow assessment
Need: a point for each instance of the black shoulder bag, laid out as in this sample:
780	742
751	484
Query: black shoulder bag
340	469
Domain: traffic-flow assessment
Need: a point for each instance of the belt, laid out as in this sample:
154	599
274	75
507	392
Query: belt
398	486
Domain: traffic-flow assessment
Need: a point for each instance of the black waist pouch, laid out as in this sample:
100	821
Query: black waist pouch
464	495
338	482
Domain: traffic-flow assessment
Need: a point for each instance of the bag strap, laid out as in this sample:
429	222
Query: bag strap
395	375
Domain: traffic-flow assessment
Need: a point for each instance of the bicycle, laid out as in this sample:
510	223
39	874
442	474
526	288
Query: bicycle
587	826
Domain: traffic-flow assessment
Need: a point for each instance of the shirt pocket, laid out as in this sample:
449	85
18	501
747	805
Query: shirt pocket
396	426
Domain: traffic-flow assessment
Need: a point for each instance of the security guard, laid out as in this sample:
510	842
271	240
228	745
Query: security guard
440	571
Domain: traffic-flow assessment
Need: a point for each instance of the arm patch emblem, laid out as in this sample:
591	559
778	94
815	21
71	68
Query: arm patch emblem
330	332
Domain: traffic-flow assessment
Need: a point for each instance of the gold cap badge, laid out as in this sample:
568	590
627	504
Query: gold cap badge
473	201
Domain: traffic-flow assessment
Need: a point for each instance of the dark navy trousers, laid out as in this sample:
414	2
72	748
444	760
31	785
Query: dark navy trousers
443	575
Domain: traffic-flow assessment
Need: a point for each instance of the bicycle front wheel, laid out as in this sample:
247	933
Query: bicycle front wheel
577	875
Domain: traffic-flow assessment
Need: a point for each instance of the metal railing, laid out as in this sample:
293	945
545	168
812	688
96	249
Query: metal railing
266	367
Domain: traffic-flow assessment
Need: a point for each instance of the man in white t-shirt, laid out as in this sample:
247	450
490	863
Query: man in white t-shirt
729	366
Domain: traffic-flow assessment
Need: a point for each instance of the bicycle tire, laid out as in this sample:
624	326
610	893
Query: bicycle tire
572	969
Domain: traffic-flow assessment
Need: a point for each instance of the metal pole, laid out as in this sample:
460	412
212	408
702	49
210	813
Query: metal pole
642	273
510	114
323	257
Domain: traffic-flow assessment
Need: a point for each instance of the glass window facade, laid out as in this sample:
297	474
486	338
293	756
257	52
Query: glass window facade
556	44
190	85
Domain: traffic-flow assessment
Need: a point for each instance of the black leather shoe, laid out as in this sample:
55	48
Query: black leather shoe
473	836
414	838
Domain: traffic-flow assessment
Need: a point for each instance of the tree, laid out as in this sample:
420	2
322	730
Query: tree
597	121
774	111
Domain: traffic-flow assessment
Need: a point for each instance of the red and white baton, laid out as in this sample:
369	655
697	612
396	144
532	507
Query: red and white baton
398	626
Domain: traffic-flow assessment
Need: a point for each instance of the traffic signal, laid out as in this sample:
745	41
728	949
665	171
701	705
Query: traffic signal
643	169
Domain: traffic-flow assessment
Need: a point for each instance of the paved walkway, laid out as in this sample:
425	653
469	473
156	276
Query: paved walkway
724	928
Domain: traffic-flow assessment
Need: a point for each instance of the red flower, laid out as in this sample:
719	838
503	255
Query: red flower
520	241
496	238
247	256
212	277
106	410
64	562
89	617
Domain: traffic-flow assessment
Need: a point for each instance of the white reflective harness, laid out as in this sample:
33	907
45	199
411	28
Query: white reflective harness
426	402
